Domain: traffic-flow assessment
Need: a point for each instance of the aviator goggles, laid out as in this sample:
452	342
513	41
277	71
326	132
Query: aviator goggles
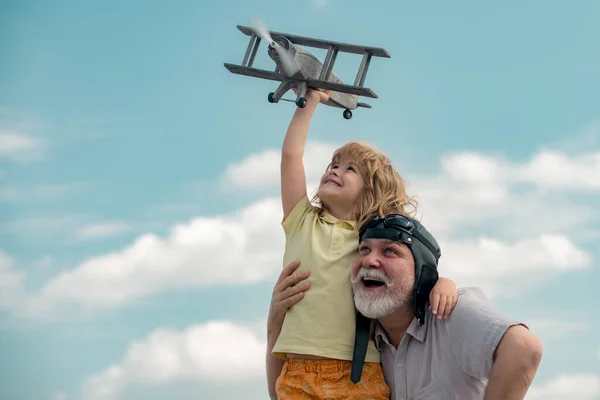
396	227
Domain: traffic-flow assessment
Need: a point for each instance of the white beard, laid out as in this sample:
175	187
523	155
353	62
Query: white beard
377	305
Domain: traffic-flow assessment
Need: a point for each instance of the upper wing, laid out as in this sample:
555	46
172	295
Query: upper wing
324	44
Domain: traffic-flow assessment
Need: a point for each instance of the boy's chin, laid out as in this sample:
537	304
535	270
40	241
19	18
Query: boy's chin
329	193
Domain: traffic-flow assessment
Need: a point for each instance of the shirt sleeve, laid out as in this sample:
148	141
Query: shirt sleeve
293	223
475	329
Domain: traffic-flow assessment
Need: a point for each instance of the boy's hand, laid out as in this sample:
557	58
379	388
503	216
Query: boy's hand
315	96
318	95
443	298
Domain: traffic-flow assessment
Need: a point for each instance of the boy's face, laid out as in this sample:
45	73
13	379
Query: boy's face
342	185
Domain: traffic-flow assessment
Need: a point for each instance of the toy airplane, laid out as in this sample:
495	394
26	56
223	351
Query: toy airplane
298	68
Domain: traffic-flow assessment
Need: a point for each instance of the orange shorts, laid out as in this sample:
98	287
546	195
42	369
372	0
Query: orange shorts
329	379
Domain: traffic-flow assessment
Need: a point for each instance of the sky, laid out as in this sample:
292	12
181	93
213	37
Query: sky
140	232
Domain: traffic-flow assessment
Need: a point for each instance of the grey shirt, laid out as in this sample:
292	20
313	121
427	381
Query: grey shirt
445	359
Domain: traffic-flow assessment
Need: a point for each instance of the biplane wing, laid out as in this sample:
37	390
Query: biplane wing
255	72
324	44
340	87
306	79
311	83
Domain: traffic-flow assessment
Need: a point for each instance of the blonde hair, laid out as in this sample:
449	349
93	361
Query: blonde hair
385	189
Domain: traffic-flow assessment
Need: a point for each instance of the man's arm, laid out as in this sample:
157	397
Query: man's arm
516	361
293	178
487	344
288	290
274	366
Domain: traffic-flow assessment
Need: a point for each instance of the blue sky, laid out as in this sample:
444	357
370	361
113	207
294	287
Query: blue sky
139	214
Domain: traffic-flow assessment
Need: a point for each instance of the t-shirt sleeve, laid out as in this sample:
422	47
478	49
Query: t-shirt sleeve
293	223
475	329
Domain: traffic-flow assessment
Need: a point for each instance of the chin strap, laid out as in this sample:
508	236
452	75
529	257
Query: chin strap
361	343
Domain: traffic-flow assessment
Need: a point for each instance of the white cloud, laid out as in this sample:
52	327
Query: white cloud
508	268
248	247
233	355
472	190
473	167
19	146
41	192
556	170
43	223
12	293
549	330
476	193
216	351
320	3
103	230
60	396
242	248
547	169
582	386
492	174
492	235
9	195
261	170
56	190
488	178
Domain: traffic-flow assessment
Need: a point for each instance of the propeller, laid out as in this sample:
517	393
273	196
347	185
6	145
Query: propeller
287	62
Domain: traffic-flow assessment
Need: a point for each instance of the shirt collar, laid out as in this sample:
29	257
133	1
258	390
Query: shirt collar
328	218
419	332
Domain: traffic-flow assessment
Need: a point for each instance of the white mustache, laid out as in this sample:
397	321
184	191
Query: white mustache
371	273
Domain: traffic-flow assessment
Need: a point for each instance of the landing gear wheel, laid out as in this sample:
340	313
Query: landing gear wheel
271	98
347	114
301	102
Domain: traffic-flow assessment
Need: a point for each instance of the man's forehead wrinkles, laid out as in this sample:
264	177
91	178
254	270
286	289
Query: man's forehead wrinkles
381	240
385	242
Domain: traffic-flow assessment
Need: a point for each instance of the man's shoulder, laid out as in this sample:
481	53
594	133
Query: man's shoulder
471	304
474	307
471	294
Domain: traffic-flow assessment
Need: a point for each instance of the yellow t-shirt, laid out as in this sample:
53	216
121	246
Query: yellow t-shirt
323	322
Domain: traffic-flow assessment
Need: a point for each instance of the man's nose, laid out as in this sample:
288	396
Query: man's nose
371	261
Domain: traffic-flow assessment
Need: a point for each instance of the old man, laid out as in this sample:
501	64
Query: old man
476	353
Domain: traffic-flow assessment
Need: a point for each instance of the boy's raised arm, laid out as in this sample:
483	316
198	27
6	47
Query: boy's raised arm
293	178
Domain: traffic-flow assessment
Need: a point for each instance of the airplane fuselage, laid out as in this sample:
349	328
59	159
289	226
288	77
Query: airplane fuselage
309	66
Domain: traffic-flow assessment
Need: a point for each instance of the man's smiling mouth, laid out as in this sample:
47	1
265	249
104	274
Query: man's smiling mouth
372	282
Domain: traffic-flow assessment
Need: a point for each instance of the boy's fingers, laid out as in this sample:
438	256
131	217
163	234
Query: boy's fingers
435	303
454	301
448	308
442	307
